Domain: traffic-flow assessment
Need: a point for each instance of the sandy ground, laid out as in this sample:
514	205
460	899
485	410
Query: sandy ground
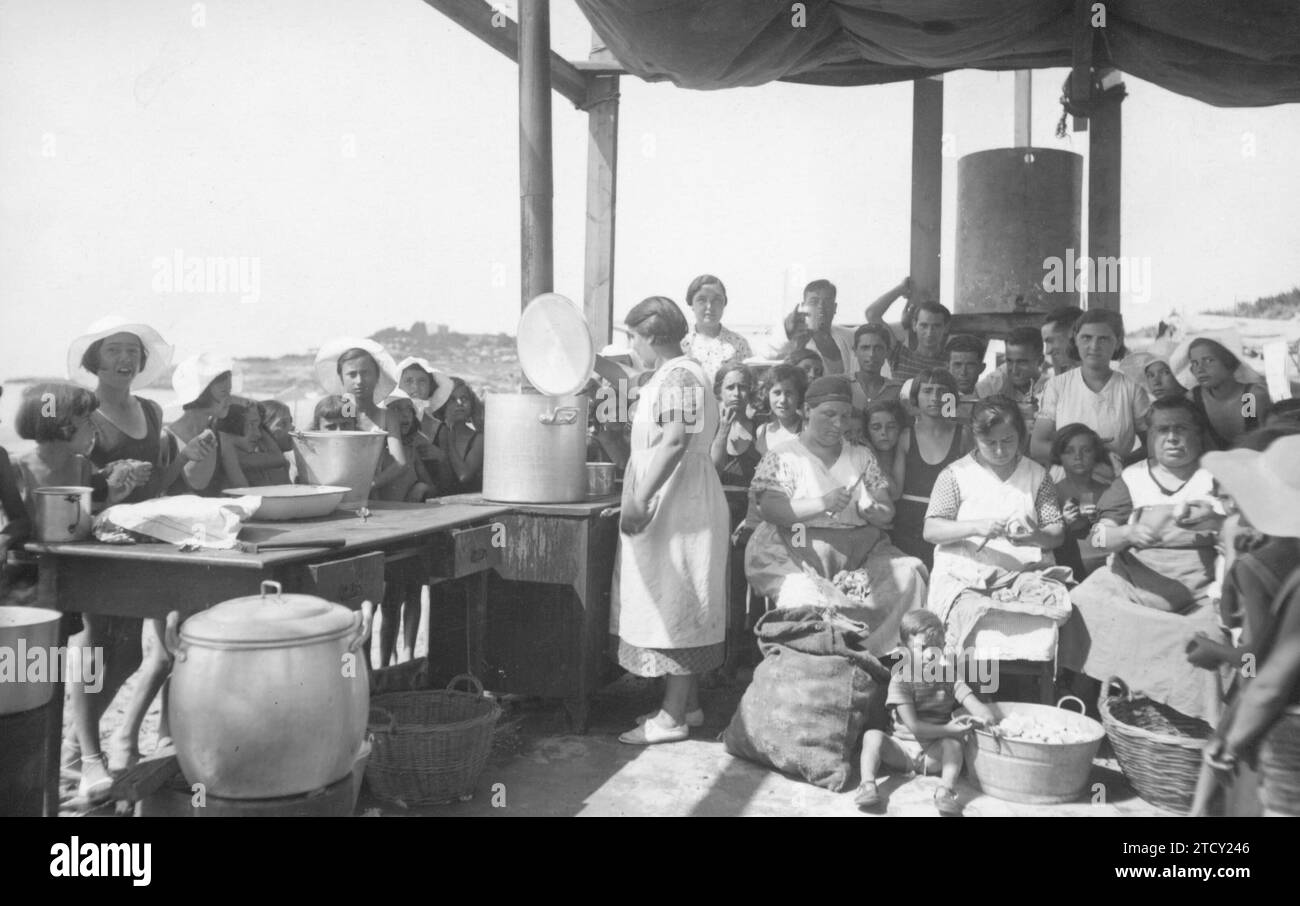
538	768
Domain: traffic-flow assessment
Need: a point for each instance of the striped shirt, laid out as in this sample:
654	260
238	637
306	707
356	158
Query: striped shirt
908	363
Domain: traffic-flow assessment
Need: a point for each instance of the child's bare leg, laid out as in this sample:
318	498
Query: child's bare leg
390	612
153	673
950	753
120	659
879	748
411	609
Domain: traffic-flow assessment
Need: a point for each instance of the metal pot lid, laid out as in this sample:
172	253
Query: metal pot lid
556	350
269	617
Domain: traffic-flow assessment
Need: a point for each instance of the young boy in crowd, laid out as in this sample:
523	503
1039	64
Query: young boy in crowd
924	738
1056	334
965	355
1020	376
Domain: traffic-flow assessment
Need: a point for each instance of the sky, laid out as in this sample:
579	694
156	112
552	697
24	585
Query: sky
360	160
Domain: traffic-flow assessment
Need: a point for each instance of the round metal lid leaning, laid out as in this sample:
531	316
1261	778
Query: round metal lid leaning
556	349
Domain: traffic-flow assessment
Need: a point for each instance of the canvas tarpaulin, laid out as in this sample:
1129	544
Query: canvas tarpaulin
1230	53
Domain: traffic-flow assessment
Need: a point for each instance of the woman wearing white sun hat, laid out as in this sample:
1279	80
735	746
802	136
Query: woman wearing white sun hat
1264	724
363	371
204	384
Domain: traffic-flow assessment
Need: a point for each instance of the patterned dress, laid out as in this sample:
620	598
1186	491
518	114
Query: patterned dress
727	348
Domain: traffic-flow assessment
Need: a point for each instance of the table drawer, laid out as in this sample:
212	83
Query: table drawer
463	552
348	582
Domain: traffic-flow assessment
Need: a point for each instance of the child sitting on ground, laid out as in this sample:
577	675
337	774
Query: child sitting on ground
250	454
923	693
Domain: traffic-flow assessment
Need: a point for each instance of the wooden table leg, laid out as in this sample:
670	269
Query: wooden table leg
54	730
476	625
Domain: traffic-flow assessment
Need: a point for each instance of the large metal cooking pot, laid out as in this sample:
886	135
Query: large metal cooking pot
23	630
63	513
536	448
269	693
343	458
535	444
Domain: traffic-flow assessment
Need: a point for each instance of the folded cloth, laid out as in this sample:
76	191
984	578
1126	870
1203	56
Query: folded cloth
211	523
1039	592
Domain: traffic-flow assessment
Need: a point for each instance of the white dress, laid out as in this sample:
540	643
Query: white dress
670	579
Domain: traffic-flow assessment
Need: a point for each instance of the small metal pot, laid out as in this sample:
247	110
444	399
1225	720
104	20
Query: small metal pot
63	513
600	479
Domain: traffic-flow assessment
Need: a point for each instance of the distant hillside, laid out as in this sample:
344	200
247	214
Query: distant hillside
1281	307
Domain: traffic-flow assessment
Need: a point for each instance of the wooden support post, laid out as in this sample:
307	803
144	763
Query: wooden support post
602	186
535	179
1104	199
1024	108
927	183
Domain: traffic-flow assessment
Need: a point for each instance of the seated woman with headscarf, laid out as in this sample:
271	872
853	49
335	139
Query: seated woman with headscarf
823	502
1135	616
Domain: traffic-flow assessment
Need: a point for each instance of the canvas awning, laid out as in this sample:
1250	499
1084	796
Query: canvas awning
1244	53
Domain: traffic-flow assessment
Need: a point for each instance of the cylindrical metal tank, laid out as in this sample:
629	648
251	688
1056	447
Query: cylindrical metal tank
1018	222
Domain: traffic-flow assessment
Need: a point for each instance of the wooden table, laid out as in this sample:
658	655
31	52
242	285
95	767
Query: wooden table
150	580
547	627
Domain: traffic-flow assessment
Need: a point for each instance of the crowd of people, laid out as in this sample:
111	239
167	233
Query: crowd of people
1073	482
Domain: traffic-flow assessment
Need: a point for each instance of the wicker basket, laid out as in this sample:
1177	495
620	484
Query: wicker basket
1162	766
430	746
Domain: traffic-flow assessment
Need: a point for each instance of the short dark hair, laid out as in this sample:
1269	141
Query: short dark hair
356	352
235	421
204	399
332	407
879	330
1112	319
918	622
658	320
782	374
702	281
1182	404
800	355
64	401
994	412
890	407
1069	433
1026	338
1063	318
964	342
1221	352
727	369
821	286
940	376
90	358
933	308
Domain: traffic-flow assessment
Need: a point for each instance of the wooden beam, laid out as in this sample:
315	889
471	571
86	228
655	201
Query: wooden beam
500	32
536	217
602	185
927	184
1104	171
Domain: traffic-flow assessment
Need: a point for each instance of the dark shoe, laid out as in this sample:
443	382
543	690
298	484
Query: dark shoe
945	800
867	798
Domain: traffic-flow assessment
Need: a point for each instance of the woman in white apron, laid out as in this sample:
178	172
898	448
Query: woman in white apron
669	601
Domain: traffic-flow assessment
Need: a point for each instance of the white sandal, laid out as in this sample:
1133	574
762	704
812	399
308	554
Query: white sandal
652	732
693	718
